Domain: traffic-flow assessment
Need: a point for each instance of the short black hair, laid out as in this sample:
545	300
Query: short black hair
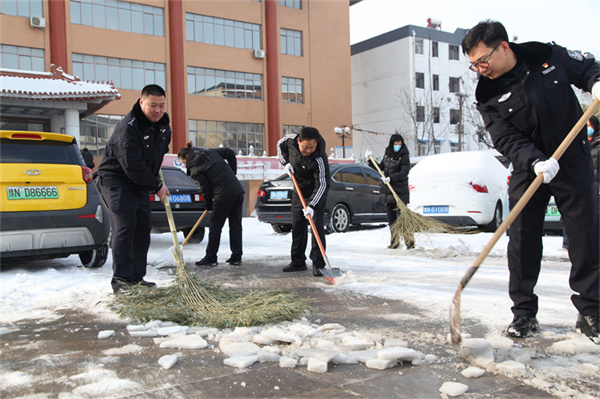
594	123
309	133
153	90
489	32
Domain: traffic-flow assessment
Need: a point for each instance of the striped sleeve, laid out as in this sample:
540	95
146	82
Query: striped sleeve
320	183
282	151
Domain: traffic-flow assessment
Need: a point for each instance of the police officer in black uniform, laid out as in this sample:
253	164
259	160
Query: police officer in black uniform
223	194
525	97
127	174
305	156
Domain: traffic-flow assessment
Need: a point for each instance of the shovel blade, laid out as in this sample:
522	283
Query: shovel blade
331	274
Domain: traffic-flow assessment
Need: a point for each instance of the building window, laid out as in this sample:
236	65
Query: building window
454	85
291	129
436	114
420	80
297	4
453	147
222	32
22	8
419	46
454	116
292	90
291	42
422	147
95	131
119	15
452	52
420	113
228	84
437	146
435	52
238	136
22	58
124	73
435	82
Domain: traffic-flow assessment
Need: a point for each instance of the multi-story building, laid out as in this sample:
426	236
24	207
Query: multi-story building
414	81
238	73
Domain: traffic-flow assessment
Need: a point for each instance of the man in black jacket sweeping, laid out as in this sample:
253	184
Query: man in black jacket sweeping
305	156
525	97
127	174
219	183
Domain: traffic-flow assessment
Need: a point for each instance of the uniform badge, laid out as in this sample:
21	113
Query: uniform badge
575	55
504	97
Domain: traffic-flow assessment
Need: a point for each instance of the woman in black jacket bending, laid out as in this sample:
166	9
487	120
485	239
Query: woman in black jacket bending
395	165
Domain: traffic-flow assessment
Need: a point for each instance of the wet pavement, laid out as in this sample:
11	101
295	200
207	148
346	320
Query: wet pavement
48	358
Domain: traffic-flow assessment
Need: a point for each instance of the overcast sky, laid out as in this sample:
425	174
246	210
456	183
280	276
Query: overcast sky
574	24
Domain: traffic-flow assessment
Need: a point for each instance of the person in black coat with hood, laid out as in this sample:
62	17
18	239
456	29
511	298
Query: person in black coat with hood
215	170
395	165
127	174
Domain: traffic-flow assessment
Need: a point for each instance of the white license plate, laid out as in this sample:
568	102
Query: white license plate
279	195
31	192
180	198
436	209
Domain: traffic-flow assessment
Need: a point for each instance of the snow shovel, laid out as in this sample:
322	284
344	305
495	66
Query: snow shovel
535	184
329	272
157	261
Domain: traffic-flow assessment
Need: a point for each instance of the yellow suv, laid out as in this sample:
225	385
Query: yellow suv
49	204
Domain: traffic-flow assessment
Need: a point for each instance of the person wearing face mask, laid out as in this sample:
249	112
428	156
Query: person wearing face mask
395	165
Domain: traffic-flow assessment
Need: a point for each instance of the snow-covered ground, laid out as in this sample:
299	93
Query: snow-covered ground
425	277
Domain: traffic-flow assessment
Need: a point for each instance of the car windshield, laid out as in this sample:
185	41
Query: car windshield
176	177
29	151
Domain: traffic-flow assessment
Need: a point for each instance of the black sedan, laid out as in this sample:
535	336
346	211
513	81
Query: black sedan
187	204
353	198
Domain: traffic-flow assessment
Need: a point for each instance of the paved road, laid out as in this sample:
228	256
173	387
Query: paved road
47	355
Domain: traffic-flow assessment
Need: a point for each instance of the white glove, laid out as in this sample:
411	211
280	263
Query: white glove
289	169
309	211
368	153
385	180
596	90
549	168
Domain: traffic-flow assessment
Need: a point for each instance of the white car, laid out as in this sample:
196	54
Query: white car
466	188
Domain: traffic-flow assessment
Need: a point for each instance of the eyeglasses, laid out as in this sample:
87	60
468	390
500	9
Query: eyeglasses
485	63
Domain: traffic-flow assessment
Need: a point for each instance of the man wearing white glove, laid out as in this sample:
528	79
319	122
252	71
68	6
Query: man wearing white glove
525	97
305	156
368	153
549	168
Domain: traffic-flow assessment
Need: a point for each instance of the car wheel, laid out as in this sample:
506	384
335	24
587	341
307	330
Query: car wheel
95	258
496	220
197	237
340	219
281	227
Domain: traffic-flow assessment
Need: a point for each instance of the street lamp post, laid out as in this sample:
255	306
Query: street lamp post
343	133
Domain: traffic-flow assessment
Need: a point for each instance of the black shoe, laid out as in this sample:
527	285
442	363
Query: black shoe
294	268
119	285
317	271
590	326
521	326
394	246
147	283
234	262
206	262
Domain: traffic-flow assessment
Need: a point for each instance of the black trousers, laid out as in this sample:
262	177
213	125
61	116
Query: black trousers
226	208
300	233
578	205
131	224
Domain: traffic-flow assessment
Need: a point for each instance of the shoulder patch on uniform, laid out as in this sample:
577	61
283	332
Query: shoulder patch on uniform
575	55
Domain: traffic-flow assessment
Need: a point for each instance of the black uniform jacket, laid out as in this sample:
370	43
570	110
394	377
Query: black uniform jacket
396	167
531	109
216	177
312	172
135	151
